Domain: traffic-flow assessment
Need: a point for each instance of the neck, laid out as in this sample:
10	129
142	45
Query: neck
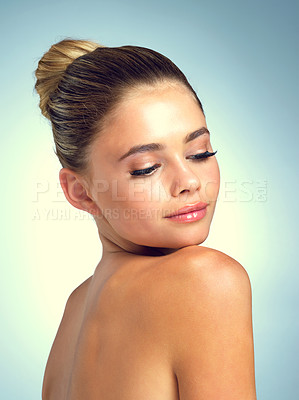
112	248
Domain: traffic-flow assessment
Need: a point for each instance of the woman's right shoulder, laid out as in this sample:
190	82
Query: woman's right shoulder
194	274
204	314
201	275
200	260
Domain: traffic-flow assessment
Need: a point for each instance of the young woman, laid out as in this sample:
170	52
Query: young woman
161	318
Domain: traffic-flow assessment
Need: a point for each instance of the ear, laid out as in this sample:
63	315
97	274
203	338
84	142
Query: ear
76	191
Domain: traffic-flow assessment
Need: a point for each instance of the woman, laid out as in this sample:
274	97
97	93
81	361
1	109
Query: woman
161	318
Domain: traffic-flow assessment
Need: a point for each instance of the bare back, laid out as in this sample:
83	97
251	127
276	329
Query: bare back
128	362
145	329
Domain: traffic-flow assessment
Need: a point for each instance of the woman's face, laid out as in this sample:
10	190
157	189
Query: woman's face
134	207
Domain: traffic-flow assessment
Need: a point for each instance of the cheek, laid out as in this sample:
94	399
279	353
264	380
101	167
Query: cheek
212	183
129	209
137	202
132	194
138	193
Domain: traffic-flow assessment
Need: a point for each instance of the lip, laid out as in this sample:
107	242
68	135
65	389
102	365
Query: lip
188	209
191	216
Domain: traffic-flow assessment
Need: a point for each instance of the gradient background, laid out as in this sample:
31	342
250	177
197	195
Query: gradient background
242	58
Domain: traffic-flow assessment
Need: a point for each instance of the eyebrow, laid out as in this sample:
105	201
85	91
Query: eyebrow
158	146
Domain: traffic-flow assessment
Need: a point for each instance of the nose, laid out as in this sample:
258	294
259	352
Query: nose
185	179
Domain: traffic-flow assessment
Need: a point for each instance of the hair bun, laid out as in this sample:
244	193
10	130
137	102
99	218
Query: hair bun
53	64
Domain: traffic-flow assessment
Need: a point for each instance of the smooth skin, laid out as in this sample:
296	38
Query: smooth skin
161	318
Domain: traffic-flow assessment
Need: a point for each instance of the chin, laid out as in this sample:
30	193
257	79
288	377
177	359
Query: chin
176	241
186	242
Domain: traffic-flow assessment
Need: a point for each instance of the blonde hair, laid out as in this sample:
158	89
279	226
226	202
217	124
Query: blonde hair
80	82
53	64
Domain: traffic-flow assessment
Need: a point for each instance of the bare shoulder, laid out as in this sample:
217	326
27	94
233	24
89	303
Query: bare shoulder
195	273
79	292
207	268
194	278
214	264
196	254
204	314
209	280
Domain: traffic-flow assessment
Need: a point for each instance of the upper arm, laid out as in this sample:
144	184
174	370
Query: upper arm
212	340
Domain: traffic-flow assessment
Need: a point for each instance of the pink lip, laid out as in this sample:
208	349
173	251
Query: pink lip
188	209
189	217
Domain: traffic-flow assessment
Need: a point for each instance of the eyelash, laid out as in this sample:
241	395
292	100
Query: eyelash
196	157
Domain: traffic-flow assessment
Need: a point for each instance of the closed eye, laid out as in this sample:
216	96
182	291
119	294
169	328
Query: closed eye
204	155
145	171
148	171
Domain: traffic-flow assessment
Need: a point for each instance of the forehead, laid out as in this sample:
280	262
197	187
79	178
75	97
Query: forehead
150	115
